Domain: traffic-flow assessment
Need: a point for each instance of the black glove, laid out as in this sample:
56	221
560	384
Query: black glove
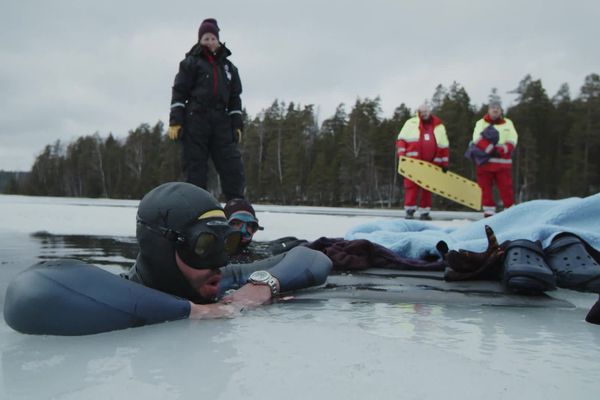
237	125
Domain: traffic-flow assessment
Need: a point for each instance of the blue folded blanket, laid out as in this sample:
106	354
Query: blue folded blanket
533	220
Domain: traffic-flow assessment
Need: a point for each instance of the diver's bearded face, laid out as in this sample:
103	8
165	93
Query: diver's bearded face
204	281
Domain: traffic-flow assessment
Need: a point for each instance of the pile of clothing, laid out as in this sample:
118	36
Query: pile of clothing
545	244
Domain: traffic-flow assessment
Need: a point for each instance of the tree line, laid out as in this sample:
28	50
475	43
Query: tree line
349	158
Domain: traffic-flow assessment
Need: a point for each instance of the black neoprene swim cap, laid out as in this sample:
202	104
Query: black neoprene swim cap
166	216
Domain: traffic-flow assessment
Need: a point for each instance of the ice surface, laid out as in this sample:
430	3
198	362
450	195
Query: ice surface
70	216
331	349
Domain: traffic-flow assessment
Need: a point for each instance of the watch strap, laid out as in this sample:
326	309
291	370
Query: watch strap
271	282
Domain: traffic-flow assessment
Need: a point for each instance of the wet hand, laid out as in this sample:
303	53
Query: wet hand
214	311
249	295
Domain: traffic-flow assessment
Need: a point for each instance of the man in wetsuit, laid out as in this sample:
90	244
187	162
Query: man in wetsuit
185	241
181	272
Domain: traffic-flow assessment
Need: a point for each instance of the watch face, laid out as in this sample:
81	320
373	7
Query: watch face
260	276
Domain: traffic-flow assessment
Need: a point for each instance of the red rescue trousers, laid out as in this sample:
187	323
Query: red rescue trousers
411	190
502	177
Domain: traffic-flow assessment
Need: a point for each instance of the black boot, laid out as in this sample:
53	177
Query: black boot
410	214
425	217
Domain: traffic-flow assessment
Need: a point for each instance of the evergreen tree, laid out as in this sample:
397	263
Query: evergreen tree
357	171
12	186
532	116
46	177
323	186
298	138
272	173
253	155
583	140
458	117
83	173
386	161
113	167
564	151
143	158
438	97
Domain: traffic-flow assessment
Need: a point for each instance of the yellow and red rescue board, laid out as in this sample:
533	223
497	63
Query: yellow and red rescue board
446	184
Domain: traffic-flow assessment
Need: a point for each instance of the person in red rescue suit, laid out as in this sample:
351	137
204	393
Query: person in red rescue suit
495	138
422	137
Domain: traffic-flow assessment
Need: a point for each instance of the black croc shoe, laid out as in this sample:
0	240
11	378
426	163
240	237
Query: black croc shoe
525	270
574	267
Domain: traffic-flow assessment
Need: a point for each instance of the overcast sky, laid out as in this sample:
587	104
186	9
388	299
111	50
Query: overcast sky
71	68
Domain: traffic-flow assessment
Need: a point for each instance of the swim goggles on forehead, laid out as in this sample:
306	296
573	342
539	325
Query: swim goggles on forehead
204	237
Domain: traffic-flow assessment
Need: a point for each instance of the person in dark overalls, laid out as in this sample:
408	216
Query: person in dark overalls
206	113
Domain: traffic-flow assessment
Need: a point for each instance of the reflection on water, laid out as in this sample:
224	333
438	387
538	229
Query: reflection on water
320	349
549	345
165	361
99	250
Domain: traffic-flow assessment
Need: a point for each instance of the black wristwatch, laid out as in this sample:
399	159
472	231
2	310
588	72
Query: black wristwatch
264	278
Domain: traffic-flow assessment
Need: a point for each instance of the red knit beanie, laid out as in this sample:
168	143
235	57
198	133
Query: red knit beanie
209	25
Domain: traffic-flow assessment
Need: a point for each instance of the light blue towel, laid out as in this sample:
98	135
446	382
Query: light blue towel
533	220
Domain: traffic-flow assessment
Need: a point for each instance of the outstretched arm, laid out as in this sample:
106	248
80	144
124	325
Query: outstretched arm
248	296
299	268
